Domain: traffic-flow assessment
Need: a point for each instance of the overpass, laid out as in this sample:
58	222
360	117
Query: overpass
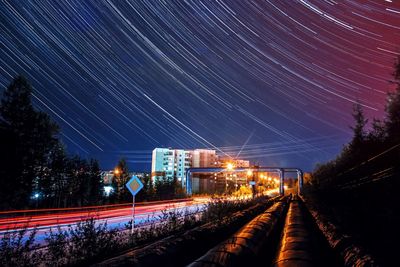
280	170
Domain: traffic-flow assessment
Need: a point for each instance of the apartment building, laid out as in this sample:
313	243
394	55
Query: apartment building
173	163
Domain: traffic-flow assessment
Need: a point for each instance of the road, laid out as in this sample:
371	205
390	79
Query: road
115	217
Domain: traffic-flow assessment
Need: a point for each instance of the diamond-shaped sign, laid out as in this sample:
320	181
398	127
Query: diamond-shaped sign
134	185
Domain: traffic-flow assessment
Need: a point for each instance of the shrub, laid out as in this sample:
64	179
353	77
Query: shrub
19	249
57	247
89	241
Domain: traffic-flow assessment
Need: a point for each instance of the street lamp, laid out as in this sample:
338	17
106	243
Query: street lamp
36	198
226	184
230	166
249	173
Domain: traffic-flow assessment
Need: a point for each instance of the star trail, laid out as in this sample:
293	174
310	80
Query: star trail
273	81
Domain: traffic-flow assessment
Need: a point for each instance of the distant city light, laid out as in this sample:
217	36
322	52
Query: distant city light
230	166
108	190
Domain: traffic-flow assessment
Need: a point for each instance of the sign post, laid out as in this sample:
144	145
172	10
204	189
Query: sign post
134	185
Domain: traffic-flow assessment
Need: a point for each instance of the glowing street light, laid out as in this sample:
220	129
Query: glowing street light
230	166
108	190
117	171
249	173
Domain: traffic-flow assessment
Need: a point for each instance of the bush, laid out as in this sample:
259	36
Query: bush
57	243
217	209
19	249
89	241
81	244
168	222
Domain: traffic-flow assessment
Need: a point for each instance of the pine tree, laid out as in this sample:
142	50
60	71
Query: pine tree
58	168
359	135
393	109
147	192
121	177
378	133
96	183
32	135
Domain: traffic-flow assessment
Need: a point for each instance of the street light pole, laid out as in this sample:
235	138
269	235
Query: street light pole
226	184
253	186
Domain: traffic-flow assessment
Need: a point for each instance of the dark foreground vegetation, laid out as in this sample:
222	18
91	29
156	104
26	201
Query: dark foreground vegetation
89	242
185	246
360	188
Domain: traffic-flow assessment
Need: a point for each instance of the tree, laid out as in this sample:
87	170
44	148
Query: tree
7	159
33	158
75	177
58	168
378	133
393	109
147	193
359	135
120	178
164	187
29	136
95	182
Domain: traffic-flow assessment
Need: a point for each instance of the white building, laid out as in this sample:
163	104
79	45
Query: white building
173	163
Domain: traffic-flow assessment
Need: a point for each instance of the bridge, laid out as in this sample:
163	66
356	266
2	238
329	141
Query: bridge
280	170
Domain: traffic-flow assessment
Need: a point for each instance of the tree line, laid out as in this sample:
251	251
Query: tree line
36	171
160	189
370	150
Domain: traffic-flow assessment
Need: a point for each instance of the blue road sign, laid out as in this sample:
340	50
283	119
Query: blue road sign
134	185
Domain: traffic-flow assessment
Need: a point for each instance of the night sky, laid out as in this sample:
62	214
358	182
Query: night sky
269	81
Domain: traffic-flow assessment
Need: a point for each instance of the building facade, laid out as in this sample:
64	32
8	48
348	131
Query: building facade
170	163
202	158
173	163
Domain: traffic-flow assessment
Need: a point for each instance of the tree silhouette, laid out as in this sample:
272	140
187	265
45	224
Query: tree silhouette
29	136
393	109
359	133
120	178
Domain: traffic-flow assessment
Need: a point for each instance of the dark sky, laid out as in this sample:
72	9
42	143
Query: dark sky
268	81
